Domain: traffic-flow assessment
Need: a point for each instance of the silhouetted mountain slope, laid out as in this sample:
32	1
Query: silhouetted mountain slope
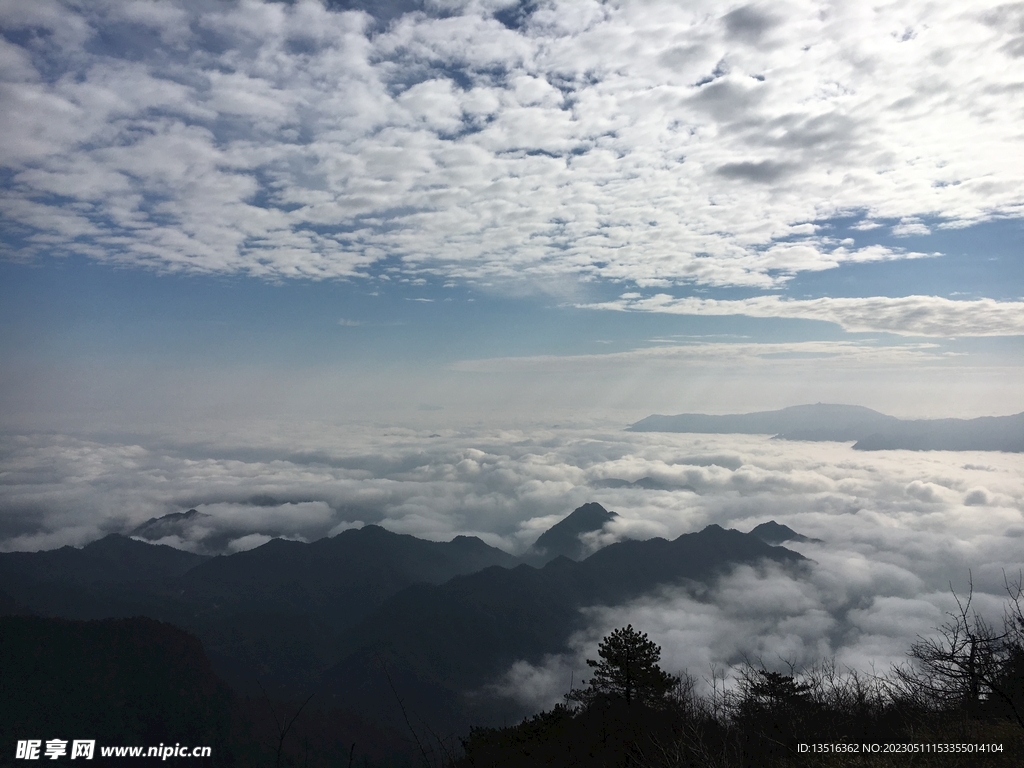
871	430
272	613
630	568
563	538
774	533
114	559
113	576
11	607
338	579
139	682
461	635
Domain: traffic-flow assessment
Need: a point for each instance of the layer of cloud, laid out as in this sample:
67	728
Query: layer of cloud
928	512
291	140
896	527
906	315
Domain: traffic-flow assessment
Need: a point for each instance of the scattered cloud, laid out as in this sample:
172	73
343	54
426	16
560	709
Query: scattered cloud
909	227
865	225
905	315
287	140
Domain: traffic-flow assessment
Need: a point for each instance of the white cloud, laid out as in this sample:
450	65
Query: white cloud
292	140
906	315
250	541
725	355
909	227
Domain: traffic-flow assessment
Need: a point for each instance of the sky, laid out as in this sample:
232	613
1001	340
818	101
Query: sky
502	210
308	266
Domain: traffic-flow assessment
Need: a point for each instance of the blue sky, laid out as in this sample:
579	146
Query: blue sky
486	209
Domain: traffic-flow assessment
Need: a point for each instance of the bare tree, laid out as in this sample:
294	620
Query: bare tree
282	723
1008	684
969	663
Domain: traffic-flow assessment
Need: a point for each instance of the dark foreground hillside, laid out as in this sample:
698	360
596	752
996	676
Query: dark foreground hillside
139	682
757	735
961	703
125	681
142	683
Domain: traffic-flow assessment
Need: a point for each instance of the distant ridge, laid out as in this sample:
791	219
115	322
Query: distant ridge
869	429
114	559
840	422
988	433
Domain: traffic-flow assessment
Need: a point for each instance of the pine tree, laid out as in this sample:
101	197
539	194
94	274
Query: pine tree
628	668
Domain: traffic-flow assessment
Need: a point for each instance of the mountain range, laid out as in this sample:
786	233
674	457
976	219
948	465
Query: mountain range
461	635
870	430
370	616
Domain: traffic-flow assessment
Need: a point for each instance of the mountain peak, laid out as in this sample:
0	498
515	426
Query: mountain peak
167	525
563	538
712	527
775	533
